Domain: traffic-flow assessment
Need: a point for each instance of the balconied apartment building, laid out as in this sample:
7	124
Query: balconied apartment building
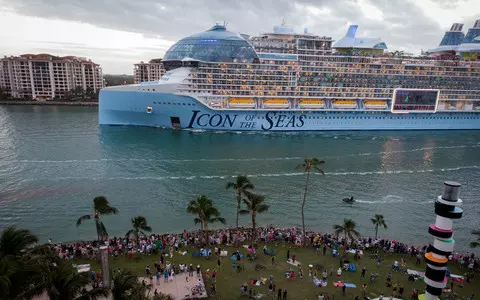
151	71
44	76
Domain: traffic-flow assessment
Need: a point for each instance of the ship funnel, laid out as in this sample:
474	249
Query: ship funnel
352	31
456	27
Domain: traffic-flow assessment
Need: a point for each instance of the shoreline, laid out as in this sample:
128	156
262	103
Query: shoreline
46	103
247	230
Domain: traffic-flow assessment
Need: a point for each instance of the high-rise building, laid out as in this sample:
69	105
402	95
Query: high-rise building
151	71
44	76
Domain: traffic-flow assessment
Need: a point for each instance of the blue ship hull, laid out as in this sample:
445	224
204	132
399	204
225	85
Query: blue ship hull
178	111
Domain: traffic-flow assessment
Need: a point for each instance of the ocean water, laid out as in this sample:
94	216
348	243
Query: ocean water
55	160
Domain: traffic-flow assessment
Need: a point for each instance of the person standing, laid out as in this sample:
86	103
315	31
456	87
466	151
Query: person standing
284	294
279	294
344	290
273	260
288	254
364	270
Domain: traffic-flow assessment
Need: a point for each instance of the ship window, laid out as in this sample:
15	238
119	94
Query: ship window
153	90
154	102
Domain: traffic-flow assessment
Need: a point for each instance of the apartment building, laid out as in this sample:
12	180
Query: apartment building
151	71
44	76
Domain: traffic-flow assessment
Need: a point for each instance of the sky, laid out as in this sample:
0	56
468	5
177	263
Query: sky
118	33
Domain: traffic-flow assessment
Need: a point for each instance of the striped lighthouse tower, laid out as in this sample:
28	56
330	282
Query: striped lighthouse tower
447	210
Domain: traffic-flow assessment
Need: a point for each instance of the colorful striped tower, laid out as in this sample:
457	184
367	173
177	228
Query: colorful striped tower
446	209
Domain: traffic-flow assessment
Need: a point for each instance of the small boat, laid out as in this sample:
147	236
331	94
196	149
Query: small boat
348	200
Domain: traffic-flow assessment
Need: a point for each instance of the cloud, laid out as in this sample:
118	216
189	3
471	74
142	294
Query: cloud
403	24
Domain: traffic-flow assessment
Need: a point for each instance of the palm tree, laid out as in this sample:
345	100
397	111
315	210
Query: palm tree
124	283
377	222
13	241
476	243
138	223
308	165
62	282
101	206
126	286
348	229
255	205
241	185
16	270
205	210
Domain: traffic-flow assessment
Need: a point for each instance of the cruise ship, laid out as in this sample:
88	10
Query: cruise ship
287	81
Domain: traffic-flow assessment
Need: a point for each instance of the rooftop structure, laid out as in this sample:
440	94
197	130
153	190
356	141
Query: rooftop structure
214	45
45	76
359	44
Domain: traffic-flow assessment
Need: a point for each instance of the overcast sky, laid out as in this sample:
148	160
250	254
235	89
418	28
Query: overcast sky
119	33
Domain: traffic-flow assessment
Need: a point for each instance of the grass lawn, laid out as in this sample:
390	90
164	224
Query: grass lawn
228	282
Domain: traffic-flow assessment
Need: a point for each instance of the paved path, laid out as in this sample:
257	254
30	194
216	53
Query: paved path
179	288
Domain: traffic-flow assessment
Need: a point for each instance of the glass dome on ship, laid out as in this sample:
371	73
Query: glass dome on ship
214	45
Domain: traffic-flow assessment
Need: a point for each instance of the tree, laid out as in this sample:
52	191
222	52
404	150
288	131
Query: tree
16	270
13	241
62	282
101	206
241	185
378	221
476	243
348	228
139	225
255	205
126	286
309	165
206	212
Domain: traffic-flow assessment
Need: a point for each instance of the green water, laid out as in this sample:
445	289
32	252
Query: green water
54	160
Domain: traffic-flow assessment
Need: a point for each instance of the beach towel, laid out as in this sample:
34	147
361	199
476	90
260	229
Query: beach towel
182	253
196	254
349	285
416	273
234	257
83	268
352	268
296	263
338	283
353	251
223	253
457	278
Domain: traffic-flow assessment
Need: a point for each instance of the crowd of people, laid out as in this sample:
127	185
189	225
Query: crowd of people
173	243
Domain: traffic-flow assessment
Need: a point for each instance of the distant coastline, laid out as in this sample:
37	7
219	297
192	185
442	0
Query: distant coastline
62	103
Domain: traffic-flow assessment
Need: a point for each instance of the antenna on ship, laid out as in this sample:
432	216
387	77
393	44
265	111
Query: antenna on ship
283	22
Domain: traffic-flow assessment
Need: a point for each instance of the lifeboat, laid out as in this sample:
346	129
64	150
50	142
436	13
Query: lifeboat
375	104
311	103
344	104
241	103
276	103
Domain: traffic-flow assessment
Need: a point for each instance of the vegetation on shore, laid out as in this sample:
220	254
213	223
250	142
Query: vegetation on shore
309	165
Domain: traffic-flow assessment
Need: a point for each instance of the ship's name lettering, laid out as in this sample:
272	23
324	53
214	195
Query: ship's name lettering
273	120
277	120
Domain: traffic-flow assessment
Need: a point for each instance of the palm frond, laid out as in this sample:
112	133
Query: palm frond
94	294
301	166
83	218
101	204
319	170
475	244
262	208
129	233
218	219
197	221
230	185
244	212
13	241
374	221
